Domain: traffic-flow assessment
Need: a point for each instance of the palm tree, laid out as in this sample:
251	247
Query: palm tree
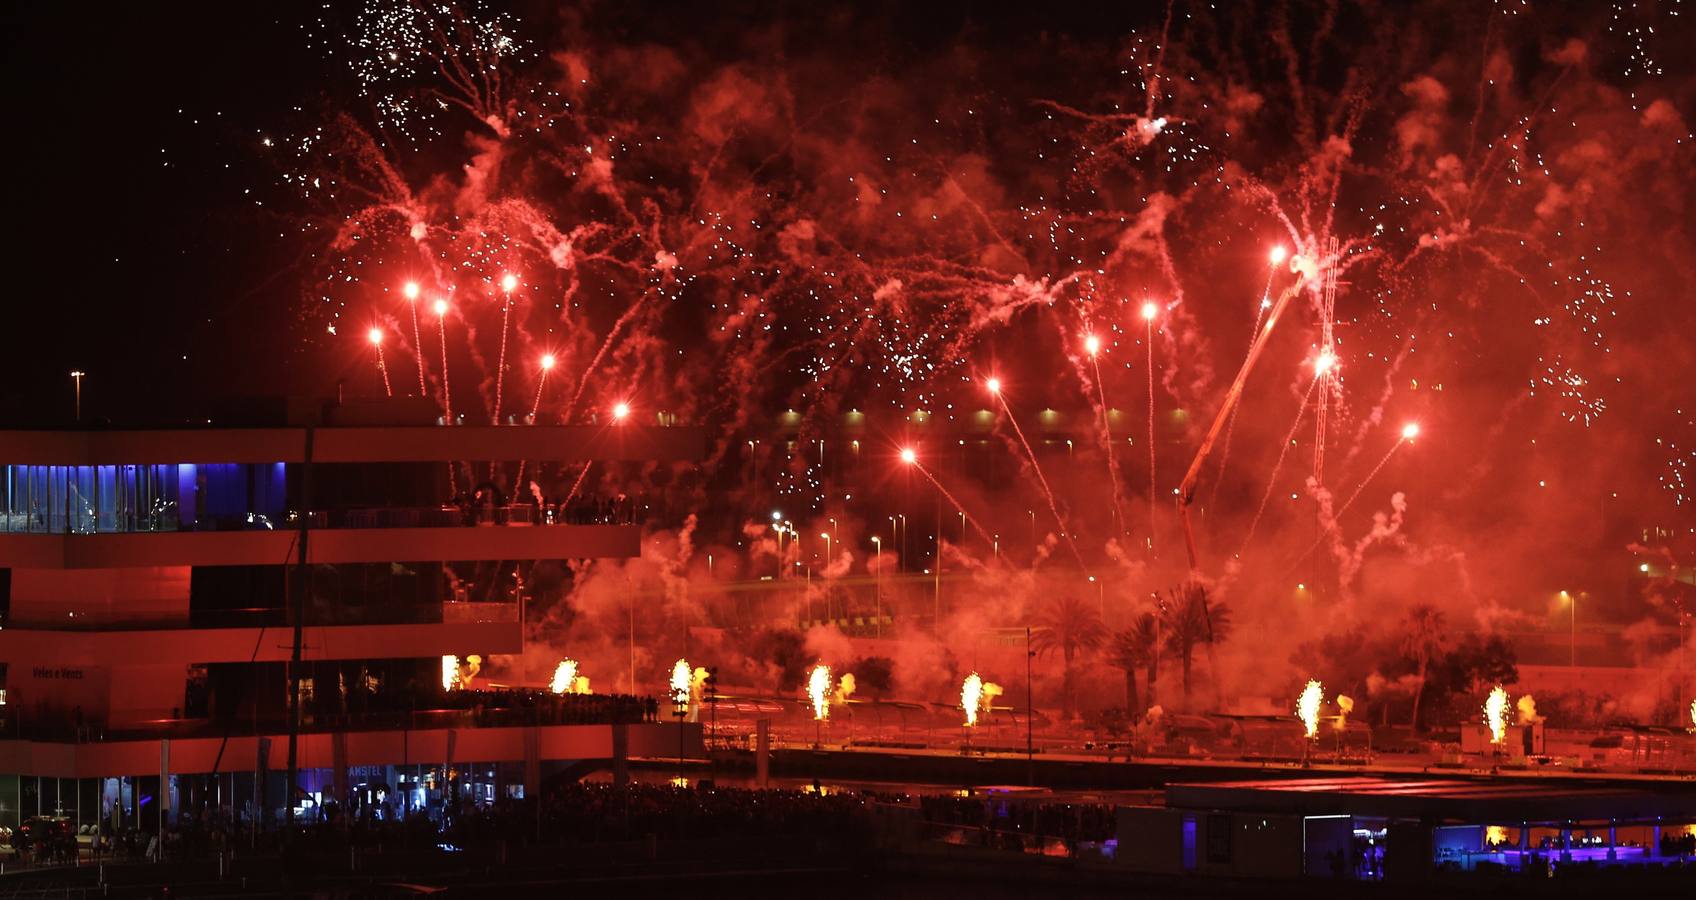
1072	626
1133	649
1192	620
1422	640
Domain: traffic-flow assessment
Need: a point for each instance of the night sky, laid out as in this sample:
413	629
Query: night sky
136	240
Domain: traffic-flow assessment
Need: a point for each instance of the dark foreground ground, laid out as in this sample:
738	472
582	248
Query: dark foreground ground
796	867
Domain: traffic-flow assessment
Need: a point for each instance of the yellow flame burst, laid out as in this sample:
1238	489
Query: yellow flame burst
971	698
680	677
1496	714
565	677
1307	706
818	689
976	697
1693	714
450	672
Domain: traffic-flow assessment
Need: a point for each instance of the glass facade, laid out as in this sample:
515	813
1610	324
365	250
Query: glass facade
108	499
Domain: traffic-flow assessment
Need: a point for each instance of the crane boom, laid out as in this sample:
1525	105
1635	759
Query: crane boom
1186	489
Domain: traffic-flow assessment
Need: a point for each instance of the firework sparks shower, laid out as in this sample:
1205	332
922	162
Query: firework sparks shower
751	284
1496	715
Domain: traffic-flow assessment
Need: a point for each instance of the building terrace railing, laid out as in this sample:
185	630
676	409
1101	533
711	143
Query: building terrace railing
456	709
451	612
587	512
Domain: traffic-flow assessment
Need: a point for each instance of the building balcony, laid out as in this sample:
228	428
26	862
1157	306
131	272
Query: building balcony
456	543
29	647
425	737
559	443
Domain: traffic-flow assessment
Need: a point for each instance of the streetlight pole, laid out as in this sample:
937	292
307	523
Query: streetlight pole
877	603
936	599
1572	636
826	572
76	376
1030	714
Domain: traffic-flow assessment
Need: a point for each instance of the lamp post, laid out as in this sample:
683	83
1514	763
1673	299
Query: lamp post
877	603
1572	633
825	572
76	376
1030	714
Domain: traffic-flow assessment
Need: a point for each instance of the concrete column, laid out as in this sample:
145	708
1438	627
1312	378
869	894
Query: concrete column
1655	842
620	755
532	764
340	784
762	753
1566	842
1613	841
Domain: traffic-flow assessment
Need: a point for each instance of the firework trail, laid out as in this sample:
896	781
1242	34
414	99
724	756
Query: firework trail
1329	523
547	365
375	335
594	363
1409	432
1092	346
994	386
1327	341
447	390
417	339
1272	480
508	282
578	484
912	459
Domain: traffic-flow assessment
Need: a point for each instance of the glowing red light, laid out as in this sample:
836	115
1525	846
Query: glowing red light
994	385
1279	254
441	307
508	282
375	335
621	411
908	456
1410	431
1150	310
547	361
1092	345
411	290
